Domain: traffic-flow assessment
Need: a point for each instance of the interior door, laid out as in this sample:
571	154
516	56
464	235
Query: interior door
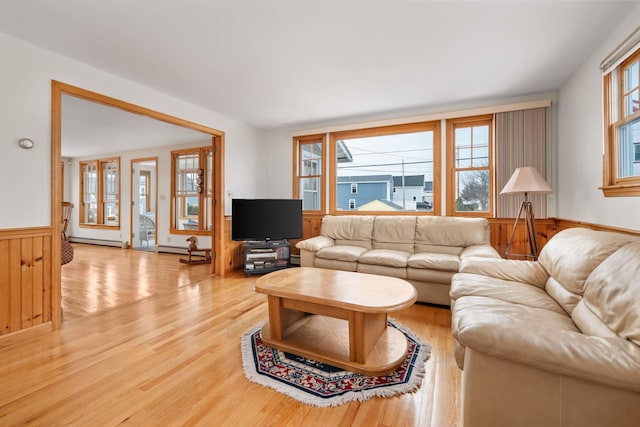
144	178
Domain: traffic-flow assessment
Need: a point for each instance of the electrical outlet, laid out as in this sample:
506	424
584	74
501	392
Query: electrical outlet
168	239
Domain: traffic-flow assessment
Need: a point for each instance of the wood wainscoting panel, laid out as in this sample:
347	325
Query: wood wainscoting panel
501	229
25	278
234	256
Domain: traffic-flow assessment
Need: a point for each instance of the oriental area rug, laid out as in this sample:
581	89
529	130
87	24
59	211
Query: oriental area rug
319	384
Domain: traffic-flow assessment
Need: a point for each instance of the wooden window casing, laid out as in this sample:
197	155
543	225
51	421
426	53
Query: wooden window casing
192	191
454	165
616	116
309	171
431	126
100	193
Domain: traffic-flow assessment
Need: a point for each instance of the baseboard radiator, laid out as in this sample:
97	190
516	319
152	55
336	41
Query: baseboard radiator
115	243
100	242
172	250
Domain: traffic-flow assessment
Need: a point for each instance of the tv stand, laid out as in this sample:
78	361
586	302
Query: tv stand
264	256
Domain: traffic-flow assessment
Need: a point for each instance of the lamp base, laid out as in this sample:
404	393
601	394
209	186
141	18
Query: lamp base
526	209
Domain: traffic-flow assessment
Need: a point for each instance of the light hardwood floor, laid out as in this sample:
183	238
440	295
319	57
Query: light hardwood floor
149	341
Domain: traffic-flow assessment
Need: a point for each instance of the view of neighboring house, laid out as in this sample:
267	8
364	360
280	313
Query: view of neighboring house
384	193
413	192
355	191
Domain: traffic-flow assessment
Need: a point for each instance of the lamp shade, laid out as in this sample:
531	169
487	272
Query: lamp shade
526	180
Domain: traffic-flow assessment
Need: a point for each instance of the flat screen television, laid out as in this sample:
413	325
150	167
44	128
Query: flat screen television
266	219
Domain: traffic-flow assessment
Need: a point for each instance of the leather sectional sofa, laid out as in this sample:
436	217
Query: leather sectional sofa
424	250
553	342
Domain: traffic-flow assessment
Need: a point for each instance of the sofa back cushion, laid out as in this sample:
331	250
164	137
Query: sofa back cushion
612	292
449	234
570	257
394	232
348	230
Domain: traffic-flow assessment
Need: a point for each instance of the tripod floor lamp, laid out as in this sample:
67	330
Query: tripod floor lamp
526	180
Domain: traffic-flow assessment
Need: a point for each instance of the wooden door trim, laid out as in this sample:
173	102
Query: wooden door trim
60	88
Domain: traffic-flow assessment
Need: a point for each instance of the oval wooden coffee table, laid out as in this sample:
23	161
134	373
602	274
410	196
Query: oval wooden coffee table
336	317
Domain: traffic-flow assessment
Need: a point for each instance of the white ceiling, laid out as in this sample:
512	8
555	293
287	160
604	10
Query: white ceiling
272	63
90	129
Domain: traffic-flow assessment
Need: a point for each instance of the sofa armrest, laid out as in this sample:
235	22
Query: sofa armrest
546	345
530	272
314	244
483	251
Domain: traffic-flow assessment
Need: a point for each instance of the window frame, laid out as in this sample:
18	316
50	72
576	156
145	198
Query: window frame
298	143
99	193
205	177
613	185
463	122
434	126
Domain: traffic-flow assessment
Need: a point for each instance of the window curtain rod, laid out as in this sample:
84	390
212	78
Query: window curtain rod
621	52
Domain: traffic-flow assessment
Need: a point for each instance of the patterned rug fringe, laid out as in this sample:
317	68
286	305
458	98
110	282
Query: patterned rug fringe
411	386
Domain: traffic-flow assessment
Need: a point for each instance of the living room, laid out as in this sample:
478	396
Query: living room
570	80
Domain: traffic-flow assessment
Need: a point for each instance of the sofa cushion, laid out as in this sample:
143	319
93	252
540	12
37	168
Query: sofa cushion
612	292
437	249
572	254
394	232
341	253
334	264
350	230
382	270
467	284
451	231
315	243
430	276
544	340
388	257
434	261
506	269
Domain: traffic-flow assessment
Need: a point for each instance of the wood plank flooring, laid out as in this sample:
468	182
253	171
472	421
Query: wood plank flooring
164	349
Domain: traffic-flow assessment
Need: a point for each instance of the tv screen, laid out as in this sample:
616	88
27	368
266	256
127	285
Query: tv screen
266	219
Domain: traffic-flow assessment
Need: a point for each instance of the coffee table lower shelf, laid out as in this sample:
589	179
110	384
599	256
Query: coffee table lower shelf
326	339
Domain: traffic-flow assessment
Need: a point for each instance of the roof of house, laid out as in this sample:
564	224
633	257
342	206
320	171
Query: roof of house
380	205
364	178
409	181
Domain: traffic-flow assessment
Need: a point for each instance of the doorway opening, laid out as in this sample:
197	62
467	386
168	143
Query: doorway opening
144	204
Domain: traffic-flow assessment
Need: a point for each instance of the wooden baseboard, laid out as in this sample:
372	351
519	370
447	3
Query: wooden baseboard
25	334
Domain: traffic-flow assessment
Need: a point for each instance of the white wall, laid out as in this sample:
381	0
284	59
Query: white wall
25	109
580	143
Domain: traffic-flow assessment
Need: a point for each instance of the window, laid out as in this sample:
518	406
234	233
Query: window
389	169
469	179
100	192
192	189
309	172
622	128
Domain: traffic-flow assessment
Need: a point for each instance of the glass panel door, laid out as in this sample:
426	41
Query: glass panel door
144	204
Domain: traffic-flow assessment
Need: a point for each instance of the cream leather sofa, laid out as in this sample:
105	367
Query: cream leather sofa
554	342
425	250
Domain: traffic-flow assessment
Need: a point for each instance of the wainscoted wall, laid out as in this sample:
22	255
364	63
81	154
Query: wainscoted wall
28	300
25	278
